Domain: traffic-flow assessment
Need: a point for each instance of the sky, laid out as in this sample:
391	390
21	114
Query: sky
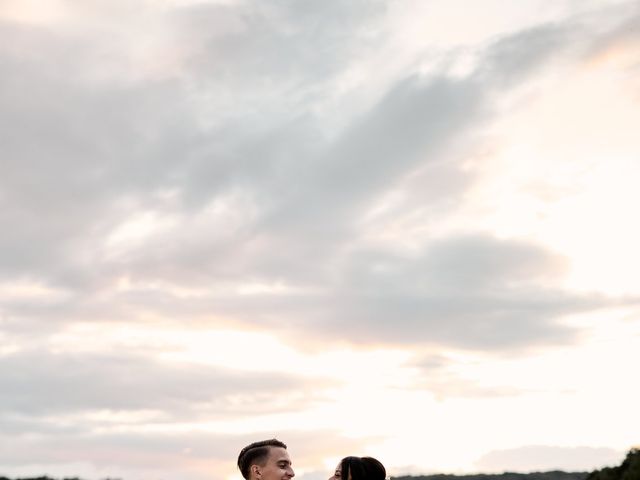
405	229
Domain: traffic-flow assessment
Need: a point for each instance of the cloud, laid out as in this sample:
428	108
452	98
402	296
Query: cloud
267	199
545	458
439	375
275	44
48	385
618	43
472	292
141	454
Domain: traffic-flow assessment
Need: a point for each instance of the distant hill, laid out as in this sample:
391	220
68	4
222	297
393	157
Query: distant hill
628	470
553	475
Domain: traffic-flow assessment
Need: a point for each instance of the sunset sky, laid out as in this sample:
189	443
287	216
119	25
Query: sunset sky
406	229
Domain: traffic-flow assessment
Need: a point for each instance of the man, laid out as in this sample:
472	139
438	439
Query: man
265	460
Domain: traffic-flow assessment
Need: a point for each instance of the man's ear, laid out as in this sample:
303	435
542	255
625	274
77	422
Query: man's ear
256	471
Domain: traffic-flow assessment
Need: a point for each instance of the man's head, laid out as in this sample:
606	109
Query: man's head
265	460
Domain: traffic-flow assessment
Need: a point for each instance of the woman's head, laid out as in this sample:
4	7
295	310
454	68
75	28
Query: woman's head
359	468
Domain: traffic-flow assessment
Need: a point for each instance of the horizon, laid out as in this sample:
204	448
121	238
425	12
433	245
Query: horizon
416	475
402	229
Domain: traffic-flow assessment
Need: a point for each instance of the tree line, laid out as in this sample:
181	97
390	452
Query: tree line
628	470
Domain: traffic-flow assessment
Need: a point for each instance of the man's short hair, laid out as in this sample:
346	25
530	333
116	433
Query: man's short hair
257	452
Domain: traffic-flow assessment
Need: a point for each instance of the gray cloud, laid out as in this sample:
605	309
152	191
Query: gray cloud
122	449
38	383
474	292
160	450
83	152
513	59
261	44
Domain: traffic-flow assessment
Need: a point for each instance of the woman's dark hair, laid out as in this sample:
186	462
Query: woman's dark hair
362	468
257	452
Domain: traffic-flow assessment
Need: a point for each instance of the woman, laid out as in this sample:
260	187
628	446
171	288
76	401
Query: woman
359	468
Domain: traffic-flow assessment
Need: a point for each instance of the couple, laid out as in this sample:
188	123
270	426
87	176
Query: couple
269	460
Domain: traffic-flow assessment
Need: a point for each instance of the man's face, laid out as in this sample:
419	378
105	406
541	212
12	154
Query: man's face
277	466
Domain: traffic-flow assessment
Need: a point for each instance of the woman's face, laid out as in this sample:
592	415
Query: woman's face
337	475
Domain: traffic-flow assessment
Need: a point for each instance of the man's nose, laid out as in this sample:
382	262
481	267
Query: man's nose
291	472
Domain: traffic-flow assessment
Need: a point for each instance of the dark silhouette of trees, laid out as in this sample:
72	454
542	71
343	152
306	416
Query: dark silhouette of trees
628	470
